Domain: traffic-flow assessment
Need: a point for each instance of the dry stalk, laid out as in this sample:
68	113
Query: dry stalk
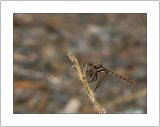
82	77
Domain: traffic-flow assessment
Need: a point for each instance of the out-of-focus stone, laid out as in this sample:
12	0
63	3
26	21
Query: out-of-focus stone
72	106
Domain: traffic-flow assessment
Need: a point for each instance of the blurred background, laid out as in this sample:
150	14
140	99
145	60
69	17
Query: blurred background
44	81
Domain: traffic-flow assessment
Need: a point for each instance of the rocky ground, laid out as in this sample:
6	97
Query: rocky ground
44	81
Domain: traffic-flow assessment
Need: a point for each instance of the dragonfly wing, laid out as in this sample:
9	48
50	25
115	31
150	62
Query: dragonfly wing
99	82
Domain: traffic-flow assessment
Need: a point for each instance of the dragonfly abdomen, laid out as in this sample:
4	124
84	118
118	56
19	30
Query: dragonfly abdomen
119	76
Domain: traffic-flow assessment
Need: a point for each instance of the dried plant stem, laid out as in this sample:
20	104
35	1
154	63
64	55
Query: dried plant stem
82	77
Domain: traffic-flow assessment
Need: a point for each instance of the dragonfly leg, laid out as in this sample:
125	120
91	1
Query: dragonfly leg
99	83
94	78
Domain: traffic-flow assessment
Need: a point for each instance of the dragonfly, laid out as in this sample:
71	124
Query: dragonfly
91	71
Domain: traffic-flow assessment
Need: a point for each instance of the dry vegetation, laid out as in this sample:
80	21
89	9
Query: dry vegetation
82	78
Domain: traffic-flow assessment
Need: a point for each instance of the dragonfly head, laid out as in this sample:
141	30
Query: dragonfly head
89	69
